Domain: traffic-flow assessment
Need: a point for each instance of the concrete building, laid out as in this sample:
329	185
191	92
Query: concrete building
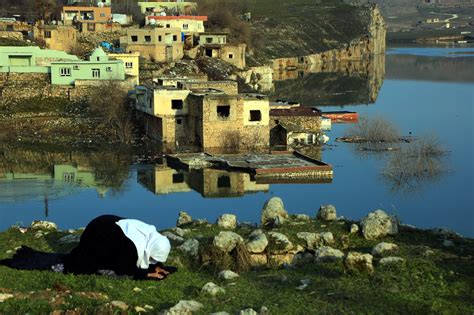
231	53
31	59
59	37
158	44
213	38
168	7
131	62
98	68
72	14
188	24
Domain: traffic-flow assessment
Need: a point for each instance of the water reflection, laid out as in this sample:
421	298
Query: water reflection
342	83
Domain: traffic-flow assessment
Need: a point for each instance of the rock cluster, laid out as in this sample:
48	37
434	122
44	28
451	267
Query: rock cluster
378	224
273	212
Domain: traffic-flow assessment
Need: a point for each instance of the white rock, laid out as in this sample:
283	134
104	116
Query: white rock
227	221
328	254
226	241
190	247
179	231
248	311
257	244
264	310
183	219
378	224
212	289
273	210
328	237
71	238
45	225
173	237
140	309
360	262
5	296
354	229
184	307
313	240
228	275
137	289
391	260
383	247
279	241
255	233
302	217
119	304
327	213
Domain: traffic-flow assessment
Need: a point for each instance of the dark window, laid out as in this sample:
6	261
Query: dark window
178	178
10	28
176	104
168	26
277	121
178	121
134	38
209	40
147	38
231	56
209	52
223	181
175	38
223	111
47	34
255	115
159	38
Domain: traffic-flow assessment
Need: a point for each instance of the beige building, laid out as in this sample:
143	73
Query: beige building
163	180
169	7
213	38
57	37
187	24
131	62
158	44
233	54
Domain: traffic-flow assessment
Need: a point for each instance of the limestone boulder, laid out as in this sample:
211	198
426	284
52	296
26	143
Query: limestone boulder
354	229
183	219
226	241
312	240
227	221
258	260
359	262
378	224
228	275
392	260
174	239
69	239
44	225
382	248
190	247
302	217
248	311
327	213
273	211
212	289
328	254
257	244
184	307
327	237
279	241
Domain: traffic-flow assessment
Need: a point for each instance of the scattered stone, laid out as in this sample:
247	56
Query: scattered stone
302	217
327	213
119	304
258	260
212	289
184	307
227	221
140	309
255	233
328	254
354	229
359	262
5	296
312	240
328	237
9	251
173	237
273	212
71	238
44	225
279	241
137	289
248	311
226	241
264	310
383	247
378	224
448	243
257	244
190	247
228	275
149	307
179	231
22	230
391	260
285	259
183	219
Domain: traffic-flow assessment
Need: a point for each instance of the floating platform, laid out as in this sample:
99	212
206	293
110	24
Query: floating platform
341	116
281	167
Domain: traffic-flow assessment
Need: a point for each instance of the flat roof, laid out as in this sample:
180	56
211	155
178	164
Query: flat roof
177	17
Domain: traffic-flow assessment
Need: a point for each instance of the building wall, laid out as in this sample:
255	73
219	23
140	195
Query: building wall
162	102
109	70
312	123
56	37
234	54
100	14
189	25
228	87
99	27
131	63
180	7
212	39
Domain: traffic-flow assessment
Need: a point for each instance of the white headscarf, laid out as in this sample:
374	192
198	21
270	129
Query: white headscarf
151	246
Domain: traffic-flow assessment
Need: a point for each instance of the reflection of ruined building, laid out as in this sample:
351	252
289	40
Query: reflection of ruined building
158	44
210	183
205	114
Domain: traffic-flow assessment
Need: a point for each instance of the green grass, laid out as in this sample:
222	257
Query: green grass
439	283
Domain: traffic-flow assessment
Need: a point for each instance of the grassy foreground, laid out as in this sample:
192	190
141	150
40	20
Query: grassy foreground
433	279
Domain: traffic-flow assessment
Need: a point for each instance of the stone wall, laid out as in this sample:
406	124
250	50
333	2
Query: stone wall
312	123
228	87
11	35
258	78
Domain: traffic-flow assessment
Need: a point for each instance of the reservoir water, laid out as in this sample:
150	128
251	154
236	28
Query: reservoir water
425	91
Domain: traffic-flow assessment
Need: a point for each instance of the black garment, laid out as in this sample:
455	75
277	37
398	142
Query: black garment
103	245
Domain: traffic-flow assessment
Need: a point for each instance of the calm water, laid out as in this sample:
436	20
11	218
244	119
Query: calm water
434	95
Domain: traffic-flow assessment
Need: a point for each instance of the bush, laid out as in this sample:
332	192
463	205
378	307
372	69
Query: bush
375	129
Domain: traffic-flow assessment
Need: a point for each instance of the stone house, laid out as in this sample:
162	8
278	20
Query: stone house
98	68
213	38
231	53
158	44
31	59
190	26
168	7
290	134
59	37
